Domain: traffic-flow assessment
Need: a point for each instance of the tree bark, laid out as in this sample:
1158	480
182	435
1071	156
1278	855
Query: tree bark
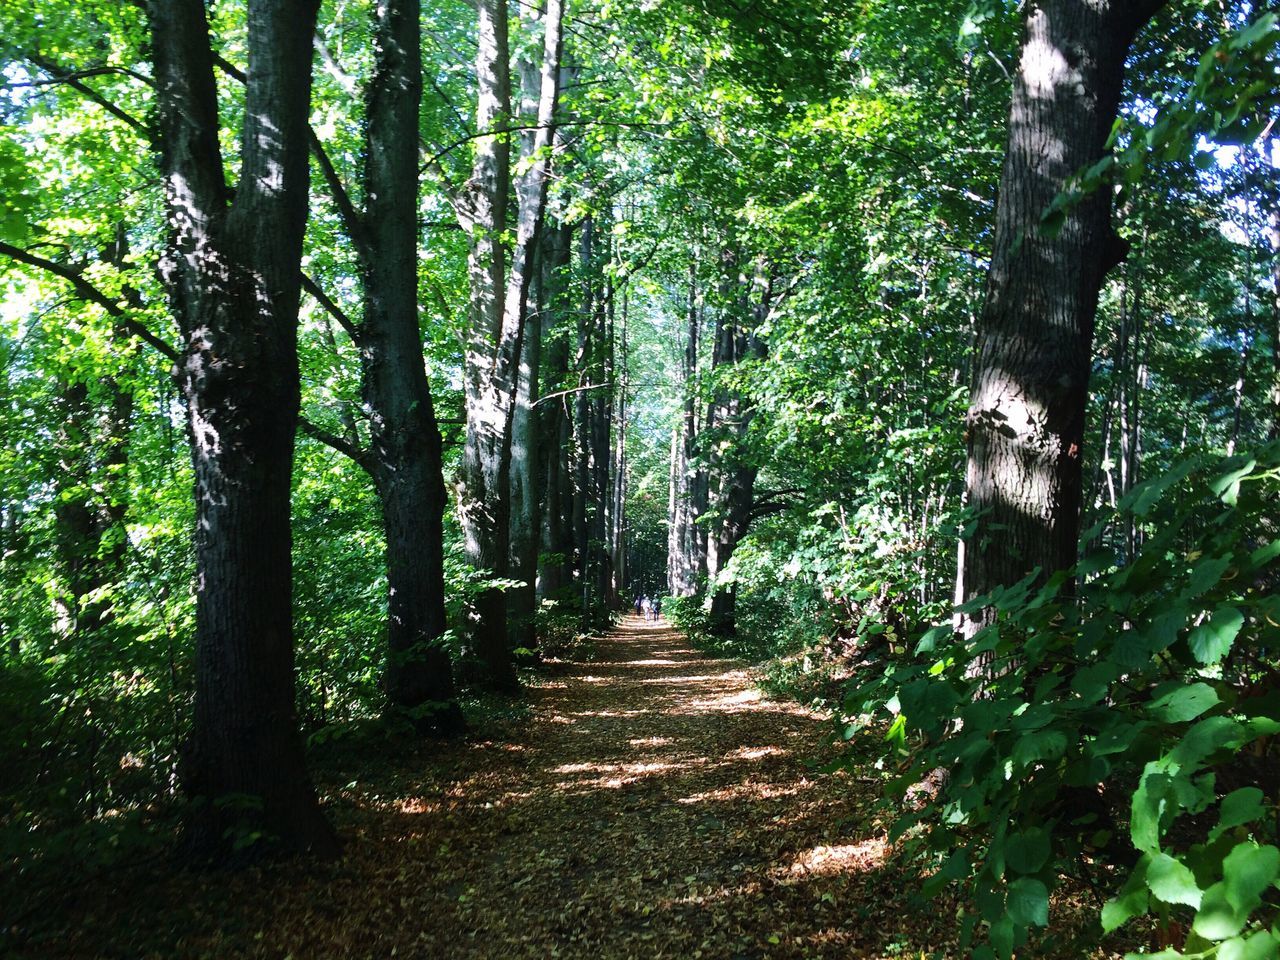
1025	423
406	452
498	311
232	269
555	574
541	91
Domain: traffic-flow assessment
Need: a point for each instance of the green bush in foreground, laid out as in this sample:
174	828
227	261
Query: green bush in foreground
1122	734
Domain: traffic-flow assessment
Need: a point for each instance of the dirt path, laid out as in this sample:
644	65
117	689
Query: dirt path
654	804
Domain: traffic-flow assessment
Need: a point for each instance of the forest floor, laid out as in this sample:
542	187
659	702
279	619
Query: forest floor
652	803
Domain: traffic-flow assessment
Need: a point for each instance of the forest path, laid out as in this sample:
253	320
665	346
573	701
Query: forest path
657	805
653	803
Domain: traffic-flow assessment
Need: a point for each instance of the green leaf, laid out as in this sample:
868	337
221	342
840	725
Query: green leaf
1204	739
1039	746
1028	903
1184	704
1171	881
1051	223
1027	851
1247	871
1238	807
1217	919
1261	946
1206	574
1132	900
1227	486
1211	640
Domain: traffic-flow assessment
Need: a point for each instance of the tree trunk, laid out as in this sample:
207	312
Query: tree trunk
1034	338
541	90
233	273
686	555
526	498
737	474
582	366
555	575
499	306
405	439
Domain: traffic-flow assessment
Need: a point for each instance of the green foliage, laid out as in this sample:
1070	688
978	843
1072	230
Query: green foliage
1107	731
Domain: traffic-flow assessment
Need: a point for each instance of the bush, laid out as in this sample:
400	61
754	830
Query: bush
1123	734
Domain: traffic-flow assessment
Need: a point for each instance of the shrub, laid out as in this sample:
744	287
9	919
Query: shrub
1123	733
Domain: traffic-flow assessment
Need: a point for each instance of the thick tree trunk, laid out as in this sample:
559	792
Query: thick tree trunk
405	454
555	575
233	272
1034	337
737	343
491	350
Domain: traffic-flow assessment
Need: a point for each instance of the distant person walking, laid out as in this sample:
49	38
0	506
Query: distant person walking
657	608
646	607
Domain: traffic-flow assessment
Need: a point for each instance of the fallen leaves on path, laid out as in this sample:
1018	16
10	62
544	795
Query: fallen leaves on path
653	804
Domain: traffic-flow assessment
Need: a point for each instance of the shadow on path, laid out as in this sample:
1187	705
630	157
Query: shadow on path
653	804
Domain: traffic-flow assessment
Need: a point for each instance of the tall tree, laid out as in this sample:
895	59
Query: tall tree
499	299
540	90
233	275
1032	354
406	445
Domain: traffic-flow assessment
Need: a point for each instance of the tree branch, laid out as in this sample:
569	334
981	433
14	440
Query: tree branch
331	308
74	81
88	291
361	457
351	219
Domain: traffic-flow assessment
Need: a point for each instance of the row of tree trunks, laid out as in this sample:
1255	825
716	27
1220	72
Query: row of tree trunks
712	499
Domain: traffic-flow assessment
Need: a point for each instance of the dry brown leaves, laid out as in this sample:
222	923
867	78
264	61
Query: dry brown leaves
654	805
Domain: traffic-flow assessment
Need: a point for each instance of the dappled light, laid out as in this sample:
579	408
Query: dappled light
655	803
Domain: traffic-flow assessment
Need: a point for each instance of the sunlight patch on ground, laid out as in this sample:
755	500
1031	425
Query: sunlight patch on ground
746	791
415	805
687	678
843	858
651	742
742	701
755	753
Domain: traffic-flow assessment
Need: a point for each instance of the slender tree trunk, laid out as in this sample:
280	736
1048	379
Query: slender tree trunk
1034	339
233	273
582	421
601	456
686	560
499	307
618	533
